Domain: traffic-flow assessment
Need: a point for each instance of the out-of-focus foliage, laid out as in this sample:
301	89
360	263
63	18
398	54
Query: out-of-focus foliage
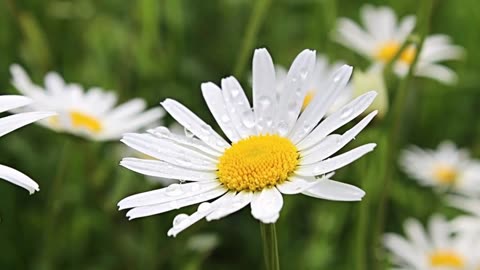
156	49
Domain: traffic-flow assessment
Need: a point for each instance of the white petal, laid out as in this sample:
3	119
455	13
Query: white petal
335	191
232	205
11	102
297	184
266	205
193	143
163	169
116	128
334	163
128	109
54	83
404	250
264	93
440	73
338	119
238	107
24	85
352	36
439	231
155	209
169	152
294	91
405	27
171	193
332	143
214	98
18	178
196	125
183	221
314	112
416	233
12	122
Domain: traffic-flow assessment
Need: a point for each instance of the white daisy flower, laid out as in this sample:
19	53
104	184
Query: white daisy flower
447	168
9	124
90	114
275	150
384	35
437	249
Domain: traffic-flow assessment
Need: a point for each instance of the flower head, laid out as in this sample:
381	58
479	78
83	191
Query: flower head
9	124
90	114
447	168
437	249
383	36
276	148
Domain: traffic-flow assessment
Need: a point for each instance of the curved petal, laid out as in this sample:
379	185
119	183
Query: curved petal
320	104
335	191
163	169
334	163
264	93
214	98
13	176
128	109
12	122
54	83
338	119
149	210
297	184
9	102
266	205
183	221
238	107
333	143
293	94
232	205
171	193
196	125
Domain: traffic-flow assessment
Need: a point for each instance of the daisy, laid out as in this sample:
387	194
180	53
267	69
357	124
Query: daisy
274	149
384	35
9	124
90	114
447	168
466	223
437	249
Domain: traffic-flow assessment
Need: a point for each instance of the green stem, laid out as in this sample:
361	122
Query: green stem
258	14
54	205
396	121
270	246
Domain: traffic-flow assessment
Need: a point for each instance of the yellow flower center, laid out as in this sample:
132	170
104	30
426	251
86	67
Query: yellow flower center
446	259
387	51
308	98
445	174
80	120
257	162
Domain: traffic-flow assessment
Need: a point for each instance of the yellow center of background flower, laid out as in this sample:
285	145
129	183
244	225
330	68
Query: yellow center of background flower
257	162
445	174
79	120
308	98
446	259
387	51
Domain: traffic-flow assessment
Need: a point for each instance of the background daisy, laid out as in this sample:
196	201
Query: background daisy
91	114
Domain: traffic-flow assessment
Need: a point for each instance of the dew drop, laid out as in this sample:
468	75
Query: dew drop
265	102
174	190
235	91
346	112
336	79
179	219
282	127
247	119
188	133
225	118
304	73
204	207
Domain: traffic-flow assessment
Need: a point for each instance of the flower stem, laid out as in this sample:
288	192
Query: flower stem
254	23
396	120
270	246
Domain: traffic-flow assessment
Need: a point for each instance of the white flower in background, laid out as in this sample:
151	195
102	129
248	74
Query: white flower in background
9	124
363	82
318	82
437	249
466	223
90	114
383	36
447	168
274	149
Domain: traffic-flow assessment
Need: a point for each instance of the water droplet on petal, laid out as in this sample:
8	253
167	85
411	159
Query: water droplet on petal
265	102
179	219
346	112
188	133
235	91
282	127
174	190
247	119
204	207
225	118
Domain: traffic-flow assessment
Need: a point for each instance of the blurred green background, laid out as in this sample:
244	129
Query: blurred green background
156	49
